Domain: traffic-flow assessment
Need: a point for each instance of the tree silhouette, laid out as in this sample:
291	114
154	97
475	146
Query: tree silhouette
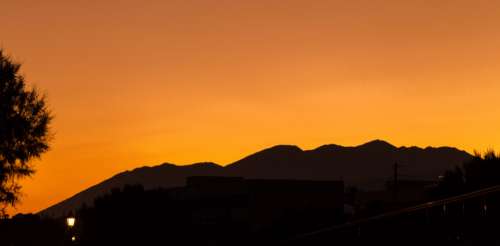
451	183
24	130
482	171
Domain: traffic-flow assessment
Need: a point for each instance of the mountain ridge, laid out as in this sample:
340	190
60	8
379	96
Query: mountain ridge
356	165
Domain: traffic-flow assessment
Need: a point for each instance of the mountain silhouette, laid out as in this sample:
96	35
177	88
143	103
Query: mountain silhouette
367	166
164	175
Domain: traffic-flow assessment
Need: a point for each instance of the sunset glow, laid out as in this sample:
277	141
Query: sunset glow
134	83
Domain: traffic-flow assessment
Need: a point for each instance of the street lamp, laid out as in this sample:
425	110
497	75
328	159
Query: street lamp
70	221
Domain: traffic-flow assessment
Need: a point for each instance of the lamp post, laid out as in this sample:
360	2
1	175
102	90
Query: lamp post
70	222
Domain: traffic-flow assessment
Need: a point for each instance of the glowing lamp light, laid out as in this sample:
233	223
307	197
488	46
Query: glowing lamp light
70	221
73	238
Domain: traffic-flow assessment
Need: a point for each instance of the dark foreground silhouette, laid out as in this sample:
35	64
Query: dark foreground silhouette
208	211
469	219
468	214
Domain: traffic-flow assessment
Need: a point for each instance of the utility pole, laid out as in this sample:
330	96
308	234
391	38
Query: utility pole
395	185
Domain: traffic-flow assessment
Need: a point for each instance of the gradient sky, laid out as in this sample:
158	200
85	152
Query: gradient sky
135	83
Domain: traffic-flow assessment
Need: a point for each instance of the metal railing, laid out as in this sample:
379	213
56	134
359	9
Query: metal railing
460	220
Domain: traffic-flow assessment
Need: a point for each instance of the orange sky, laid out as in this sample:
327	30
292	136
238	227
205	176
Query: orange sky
135	83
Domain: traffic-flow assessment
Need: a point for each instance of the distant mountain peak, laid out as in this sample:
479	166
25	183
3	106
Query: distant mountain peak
284	147
378	144
205	164
329	147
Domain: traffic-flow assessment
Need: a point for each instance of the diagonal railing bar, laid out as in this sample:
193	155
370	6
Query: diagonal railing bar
427	205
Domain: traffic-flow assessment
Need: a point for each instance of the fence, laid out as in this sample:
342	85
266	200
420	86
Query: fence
469	219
